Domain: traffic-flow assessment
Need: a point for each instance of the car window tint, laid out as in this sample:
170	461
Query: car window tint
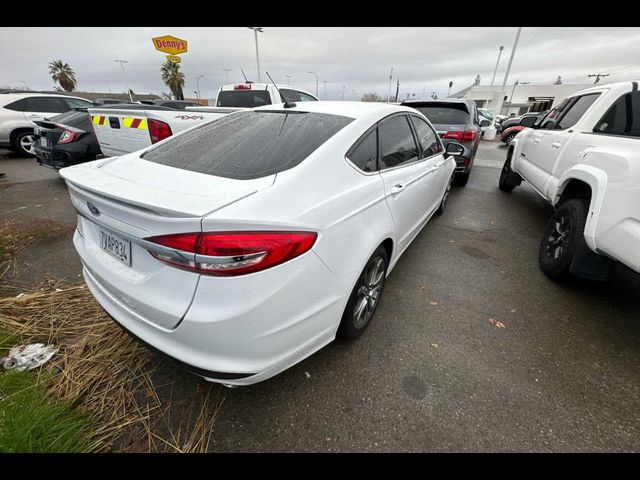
73	118
365	154
249	144
288	95
243	98
623	118
575	111
397	145
46	105
427	138
18	105
77	103
306	98
442	115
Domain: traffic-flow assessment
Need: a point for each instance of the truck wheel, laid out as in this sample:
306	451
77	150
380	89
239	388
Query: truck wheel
563	238
510	138
365	296
508	178
23	144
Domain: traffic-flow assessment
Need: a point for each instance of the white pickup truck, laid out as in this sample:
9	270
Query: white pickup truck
127	128
584	158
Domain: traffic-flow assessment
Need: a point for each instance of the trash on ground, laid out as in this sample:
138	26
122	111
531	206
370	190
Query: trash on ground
28	357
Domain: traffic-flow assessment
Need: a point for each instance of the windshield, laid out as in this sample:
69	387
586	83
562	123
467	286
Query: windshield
445	114
243	98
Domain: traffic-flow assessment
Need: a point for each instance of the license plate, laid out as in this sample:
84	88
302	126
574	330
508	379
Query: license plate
43	142
116	246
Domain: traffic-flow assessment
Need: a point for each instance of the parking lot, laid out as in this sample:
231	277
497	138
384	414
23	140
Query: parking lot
472	348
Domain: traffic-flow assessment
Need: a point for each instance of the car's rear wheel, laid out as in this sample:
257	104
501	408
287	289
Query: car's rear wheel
445	197
563	238
509	138
23	144
365	296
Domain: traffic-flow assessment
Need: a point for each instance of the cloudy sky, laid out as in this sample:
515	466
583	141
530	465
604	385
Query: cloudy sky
360	59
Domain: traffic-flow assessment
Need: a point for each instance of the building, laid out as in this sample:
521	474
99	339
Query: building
521	99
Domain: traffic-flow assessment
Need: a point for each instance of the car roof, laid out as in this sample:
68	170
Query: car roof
346	109
465	101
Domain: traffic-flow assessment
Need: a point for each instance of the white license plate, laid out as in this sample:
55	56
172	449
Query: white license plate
116	246
43	142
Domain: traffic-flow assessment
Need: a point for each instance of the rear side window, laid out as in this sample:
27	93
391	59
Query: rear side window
243	98
397	144
445	114
288	95
18	105
623	118
575	111
306	98
427	138
77	103
73	118
248	145
365	154
47	105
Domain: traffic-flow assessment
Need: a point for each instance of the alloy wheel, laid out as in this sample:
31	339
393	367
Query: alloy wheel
27	143
369	292
558	238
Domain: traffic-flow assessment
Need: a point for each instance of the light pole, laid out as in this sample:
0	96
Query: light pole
198	84
197	94
389	91
496	69
324	95
504	82
227	70
122	62
288	77
314	73
343	88
256	30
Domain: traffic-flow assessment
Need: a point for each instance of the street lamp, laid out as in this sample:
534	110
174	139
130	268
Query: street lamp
498	106
198	84
317	78
343	88
227	70
255	31
514	89
288	77
325	90
197	94
496	69
122	62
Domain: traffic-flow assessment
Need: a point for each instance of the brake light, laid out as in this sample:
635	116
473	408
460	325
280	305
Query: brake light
469	135
454	135
231	253
158	130
68	135
242	86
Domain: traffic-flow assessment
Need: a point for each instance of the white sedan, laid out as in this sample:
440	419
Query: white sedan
242	246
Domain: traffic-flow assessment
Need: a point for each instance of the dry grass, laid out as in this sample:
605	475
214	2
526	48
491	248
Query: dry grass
103	372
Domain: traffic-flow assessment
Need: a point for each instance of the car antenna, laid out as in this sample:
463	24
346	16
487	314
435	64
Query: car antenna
287	103
245	77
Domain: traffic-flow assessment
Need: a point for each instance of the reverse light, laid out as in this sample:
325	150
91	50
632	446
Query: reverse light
158	130
231	253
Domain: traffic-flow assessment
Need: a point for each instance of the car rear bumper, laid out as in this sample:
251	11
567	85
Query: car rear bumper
242	330
60	158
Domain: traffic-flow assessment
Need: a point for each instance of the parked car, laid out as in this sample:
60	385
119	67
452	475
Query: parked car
175	104
108	101
527	121
583	158
65	139
251	95
513	121
19	111
457	120
245	244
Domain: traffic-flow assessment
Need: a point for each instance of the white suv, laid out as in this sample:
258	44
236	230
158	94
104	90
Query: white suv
19	111
584	159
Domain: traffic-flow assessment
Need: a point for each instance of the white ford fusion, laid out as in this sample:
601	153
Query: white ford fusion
241	246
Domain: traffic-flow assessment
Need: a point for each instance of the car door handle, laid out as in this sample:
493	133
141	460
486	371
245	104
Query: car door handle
556	145
397	189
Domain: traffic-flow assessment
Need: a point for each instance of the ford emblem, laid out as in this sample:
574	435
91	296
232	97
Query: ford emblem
93	209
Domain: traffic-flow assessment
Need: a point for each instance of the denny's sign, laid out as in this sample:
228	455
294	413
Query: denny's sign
169	44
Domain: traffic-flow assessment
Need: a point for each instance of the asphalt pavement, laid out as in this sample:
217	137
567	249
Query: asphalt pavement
472	347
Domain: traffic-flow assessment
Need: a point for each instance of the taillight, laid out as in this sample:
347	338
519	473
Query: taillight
469	135
68	135
231	253
454	135
158	130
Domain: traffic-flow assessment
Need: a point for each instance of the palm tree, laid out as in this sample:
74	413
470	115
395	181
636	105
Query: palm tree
173	78
62	73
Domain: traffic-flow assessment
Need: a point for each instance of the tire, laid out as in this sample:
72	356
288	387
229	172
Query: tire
508	178
23	144
563	238
445	197
509	138
353	324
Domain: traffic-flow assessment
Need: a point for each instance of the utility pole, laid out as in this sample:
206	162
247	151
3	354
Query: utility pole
198	84
314	73
288	77
598	76
256	30
504	83
227	70
343	88
324	95
389	91
122	62
496	69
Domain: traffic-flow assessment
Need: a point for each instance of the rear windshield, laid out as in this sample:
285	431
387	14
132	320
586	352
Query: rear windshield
73	118
248	145
445	113
243	98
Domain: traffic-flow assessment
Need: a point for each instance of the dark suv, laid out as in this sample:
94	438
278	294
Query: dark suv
456	120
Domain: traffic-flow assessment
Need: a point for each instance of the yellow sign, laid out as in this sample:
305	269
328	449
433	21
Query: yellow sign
174	58
169	44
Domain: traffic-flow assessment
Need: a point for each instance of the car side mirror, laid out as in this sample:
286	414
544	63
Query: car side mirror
485	123
454	149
